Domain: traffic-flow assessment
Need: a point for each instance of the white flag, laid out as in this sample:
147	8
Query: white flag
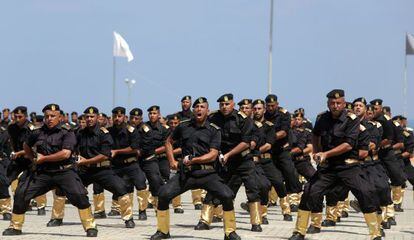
409	44
121	47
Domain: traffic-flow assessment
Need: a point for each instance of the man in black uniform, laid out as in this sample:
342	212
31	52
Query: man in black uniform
306	122
200	142
5	150
236	131
19	132
335	137
6	120
50	149
185	112
281	149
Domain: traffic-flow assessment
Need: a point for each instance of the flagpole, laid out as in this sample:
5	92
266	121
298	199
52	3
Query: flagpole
113	81
269	84
405	84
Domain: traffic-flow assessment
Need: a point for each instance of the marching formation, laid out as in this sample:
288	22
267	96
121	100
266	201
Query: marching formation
355	147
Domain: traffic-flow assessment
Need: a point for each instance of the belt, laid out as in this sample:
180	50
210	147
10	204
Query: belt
150	157
397	151
201	167
266	155
375	157
161	155
245	152
256	158
369	158
286	145
101	164
130	160
350	161
60	167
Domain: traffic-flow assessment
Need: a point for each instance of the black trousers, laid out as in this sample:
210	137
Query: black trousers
305	168
4	181
133	176
393	167
275	176
15	167
32	185
106	178
409	170
211	182
164	166
283	161
152	172
326	178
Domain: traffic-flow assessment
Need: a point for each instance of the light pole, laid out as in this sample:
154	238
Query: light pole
129	84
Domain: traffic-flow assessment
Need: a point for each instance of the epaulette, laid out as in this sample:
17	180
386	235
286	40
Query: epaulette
378	124
352	116
387	117
309	130
104	130
66	126
282	110
258	124
406	134
130	128
269	123
300	129
361	128
215	126
396	123
309	121
242	114
320	114
167	127
145	128
30	126
409	129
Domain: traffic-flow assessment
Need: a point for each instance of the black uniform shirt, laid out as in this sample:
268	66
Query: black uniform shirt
281	119
19	135
94	141
334	132
387	127
152	136
5	149
263	132
185	115
408	140
124	136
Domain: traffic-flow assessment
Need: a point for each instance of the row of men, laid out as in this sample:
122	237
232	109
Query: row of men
256	152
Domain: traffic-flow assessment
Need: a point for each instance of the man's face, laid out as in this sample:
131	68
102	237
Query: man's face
173	123
247	109
82	123
336	106
74	118
118	119
91	119
20	119
226	107
359	109
369	115
135	120
154	116
201	111
272	107
102	121
6	114
52	118
258	111
404	123
186	104
377	110
298	121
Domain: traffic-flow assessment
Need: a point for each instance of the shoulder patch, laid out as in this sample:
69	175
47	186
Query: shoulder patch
2	128
66	126
282	110
409	129
309	130
406	134
215	126
31	126
352	116
361	128
396	123
269	123
378	124
309	121
130	128
145	128
258	124
104	130
242	114
167	127
387	117
185	120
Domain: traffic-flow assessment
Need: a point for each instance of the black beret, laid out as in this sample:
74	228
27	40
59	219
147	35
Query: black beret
301	110
20	110
370	108
336	93
245	101
103	115
39	118
153	108
173	117
349	105
271	98
376	102
62	112
360	99
386	109
52	106
187	97
200	100
398	117
74	113
6	110
298	114
33	114
135	112
225	97
81	117
258	101
118	110
91	110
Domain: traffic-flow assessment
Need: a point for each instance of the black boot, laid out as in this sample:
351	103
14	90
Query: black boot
216	219
54	223
114	213
245	206
41	211
202	226
297	236
142	215
256	228
179	210
344	214
386	225
355	205
328	223
92	232
287	217
11	232
99	215
265	221
392	221
313	230
159	235
198	207
7	216
130	223
382	232
232	236
294	208
150	205
397	208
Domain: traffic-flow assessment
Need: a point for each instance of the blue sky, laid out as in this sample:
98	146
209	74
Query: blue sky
61	51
